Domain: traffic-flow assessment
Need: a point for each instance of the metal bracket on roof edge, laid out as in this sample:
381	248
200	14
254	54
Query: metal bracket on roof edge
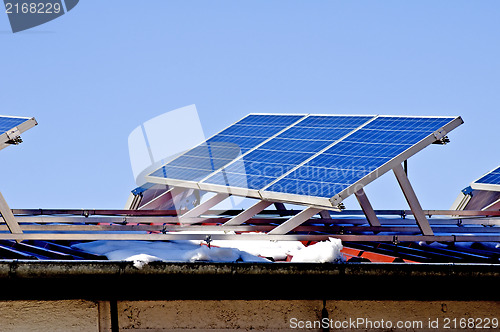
467	191
208	240
440	133
441	137
443	141
15	141
14	136
336	200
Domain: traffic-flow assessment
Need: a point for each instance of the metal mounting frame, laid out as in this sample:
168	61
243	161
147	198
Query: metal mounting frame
412	200
125	224
295	221
367	208
248	213
174	192
8	217
202	208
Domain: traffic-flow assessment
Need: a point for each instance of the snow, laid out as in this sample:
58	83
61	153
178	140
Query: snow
321	252
141	260
144	252
277	250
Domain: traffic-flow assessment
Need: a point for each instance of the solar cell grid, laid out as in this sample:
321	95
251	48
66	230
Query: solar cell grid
270	120
7	123
240	180
290	148
333	121
356	156
298	134
491	178
257	131
224	147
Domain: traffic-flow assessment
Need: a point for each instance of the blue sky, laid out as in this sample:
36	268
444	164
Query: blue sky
94	74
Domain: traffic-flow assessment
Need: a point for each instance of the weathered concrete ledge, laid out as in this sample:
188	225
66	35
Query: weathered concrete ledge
120	280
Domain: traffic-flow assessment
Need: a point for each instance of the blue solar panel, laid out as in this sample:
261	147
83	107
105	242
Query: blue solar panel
357	155
225	146
316	155
7	123
287	150
491	178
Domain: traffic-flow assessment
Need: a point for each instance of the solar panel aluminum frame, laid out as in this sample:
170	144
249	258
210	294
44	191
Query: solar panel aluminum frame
173	182
243	192
337	199
16	131
484	186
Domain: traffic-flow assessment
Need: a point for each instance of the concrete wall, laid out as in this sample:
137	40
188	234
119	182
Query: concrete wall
54	316
280	314
82	316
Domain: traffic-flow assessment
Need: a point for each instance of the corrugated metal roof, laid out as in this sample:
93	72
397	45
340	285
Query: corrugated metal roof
354	251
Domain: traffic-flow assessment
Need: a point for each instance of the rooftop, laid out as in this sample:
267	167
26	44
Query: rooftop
173	218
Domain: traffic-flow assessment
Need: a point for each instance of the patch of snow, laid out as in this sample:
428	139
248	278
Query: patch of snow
142	259
277	250
205	254
321	252
143	252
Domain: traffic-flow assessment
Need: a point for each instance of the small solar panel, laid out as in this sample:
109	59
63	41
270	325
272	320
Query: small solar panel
7	123
491	178
490	181
11	127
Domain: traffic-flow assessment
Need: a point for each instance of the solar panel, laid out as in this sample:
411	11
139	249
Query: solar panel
222	148
283	152
492	177
356	156
315	159
11	127
481	194
489	181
